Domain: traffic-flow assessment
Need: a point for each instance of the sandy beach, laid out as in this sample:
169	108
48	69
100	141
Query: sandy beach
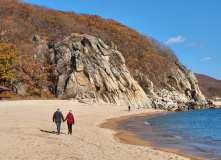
217	103
27	132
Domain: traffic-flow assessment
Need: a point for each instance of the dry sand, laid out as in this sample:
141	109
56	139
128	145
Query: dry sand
26	132
217	103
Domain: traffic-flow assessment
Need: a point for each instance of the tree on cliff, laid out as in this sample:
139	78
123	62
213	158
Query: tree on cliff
8	55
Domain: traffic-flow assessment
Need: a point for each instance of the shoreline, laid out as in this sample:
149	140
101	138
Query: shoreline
131	138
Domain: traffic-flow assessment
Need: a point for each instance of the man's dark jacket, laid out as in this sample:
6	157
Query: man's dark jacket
57	117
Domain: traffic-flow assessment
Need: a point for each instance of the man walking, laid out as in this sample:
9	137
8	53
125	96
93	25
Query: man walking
57	119
129	108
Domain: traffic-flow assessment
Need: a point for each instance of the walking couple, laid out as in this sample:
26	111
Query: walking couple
58	116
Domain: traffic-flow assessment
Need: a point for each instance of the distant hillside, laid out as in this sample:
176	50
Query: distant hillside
209	86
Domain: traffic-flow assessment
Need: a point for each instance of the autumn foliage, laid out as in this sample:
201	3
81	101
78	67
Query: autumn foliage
8	57
21	21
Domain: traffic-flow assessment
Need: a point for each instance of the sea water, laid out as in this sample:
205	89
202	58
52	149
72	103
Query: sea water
196	132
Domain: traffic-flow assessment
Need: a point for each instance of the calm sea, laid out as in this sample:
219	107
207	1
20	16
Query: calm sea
195	132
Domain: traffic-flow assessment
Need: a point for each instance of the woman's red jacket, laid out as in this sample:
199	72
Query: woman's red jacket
70	118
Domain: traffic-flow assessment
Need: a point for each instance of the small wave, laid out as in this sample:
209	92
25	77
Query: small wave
179	137
133	119
203	150
146	123
166	135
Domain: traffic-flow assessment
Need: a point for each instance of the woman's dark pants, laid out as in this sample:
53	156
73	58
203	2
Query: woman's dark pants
70	128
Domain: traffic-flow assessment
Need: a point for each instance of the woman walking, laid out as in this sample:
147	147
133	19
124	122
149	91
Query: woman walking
70	121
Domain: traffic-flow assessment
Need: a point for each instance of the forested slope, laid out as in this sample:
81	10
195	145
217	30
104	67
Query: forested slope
21	21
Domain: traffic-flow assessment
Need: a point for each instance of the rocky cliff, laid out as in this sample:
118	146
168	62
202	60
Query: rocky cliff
87	68
181	91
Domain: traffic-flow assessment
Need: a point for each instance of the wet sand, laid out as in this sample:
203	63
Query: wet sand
130	138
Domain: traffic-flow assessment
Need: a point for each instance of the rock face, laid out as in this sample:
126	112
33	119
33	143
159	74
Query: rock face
87	68
182	91
19	89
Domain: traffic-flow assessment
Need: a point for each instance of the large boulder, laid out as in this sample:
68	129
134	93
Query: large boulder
18	88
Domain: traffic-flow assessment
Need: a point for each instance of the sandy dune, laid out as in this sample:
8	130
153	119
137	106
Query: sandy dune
26	132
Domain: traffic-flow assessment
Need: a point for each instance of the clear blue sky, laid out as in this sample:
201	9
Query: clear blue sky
191	28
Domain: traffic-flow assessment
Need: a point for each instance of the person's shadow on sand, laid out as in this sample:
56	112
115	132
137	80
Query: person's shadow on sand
52	132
